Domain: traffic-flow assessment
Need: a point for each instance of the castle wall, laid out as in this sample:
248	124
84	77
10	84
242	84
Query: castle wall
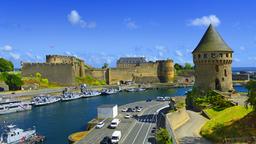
57	73
99	74
151	72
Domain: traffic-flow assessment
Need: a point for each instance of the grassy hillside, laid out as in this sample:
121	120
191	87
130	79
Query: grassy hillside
233	122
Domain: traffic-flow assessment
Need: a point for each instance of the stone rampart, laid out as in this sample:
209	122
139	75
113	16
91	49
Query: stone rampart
57	73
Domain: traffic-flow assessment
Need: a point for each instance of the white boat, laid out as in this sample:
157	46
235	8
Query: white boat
109	91
13	135
135	89
14	106
45	100
91	93
70	96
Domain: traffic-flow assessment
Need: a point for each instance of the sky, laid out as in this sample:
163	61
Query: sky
101	31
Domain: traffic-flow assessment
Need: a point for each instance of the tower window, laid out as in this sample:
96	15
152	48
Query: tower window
221	55
231	55
205	55
217	68
213	55
225	73
226	54
199	56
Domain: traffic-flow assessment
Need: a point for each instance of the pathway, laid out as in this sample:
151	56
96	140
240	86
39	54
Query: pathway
189	132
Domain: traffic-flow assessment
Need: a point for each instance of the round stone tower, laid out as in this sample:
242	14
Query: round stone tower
165	70
213	58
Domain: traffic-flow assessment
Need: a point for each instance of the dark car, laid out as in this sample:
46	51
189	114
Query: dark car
106	140
148	100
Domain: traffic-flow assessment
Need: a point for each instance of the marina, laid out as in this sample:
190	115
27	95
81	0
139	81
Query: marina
57	121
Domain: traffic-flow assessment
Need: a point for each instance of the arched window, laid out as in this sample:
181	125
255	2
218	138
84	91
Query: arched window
225	72
221	55
199	56
227	54
217	68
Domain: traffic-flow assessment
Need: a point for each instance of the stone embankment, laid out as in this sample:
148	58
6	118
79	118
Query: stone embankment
177	118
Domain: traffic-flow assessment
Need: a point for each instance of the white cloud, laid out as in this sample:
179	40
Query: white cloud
7	48
68	53
75	19
130	24
206	21
189	51
15	55
179	53
161	50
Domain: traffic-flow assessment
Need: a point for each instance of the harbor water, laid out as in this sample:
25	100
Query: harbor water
57	121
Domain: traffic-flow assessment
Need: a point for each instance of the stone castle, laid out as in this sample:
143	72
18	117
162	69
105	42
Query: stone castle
213	58
64	70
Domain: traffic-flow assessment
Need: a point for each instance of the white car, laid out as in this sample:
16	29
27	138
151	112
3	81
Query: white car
133	109
124	109
127	116
139	109
114	123
116	136
100	125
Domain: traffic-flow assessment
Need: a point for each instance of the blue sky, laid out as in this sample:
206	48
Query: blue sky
101	31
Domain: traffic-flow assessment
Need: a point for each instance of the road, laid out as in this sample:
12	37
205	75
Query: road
133	130
189	132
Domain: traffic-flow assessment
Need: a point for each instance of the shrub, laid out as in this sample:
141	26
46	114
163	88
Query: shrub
162	137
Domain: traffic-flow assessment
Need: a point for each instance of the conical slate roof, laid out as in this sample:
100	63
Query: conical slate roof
212	41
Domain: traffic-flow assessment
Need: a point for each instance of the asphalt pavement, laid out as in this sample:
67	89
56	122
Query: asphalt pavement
134	130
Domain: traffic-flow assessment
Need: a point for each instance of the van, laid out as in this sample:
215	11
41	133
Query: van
114	123
116	136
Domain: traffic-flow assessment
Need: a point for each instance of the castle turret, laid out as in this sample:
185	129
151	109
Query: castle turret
213	58
165	70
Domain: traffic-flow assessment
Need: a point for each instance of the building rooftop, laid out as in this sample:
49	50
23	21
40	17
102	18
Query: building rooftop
212	41
107	106
132	60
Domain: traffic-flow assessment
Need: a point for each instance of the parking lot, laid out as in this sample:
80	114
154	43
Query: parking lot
136	129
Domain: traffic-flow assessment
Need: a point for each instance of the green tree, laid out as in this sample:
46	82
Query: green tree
251	86
13	81
105	66
6	65
178	66
162	137
188	66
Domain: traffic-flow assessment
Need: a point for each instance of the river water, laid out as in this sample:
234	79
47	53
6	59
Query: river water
57	121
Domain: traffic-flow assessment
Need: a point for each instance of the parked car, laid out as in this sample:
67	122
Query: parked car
127	116
124	109
133	109
149	100
100	125
139	109
106	140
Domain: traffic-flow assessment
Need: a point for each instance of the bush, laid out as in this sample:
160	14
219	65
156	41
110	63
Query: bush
89	80
162	137
37	79
200	101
